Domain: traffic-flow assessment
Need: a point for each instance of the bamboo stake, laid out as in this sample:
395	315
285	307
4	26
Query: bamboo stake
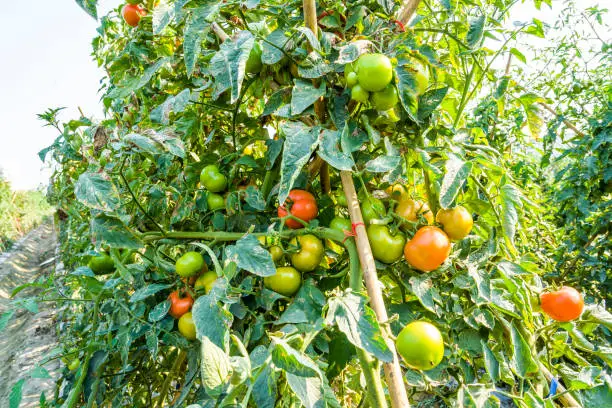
393	372
566	398
407	10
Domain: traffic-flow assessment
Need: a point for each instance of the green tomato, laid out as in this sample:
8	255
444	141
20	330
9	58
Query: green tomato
74	364
385	99
348	68
102	264
276	252
359	94
206	281
186	326
212	179
253	64
386	248
310	253
341	224
372	209
351	79
286	281
421	345
189	264
374	72
341	198
215	201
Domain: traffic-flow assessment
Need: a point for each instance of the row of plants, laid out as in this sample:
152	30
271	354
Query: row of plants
209	223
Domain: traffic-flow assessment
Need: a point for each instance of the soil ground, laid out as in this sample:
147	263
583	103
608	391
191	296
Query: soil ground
27	337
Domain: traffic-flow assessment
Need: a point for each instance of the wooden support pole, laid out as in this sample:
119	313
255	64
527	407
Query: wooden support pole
407	10
393	372
566	399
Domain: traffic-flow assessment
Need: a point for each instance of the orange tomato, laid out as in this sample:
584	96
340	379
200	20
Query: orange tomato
563	305
179	305
411	210
428	249
303	205
132	14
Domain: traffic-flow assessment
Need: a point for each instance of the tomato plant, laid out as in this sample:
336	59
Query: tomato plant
226	127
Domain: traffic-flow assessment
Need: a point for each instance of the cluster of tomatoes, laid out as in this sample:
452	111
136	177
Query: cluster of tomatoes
370	79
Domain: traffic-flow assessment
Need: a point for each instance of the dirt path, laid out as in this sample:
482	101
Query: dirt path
27	337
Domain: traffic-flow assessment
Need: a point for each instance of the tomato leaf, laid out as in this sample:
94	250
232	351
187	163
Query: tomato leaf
304	94
383	164
358	322
510	200
264	388
132	84
491	364
90	6
112	231
212	320
5	318
457	172
429	101
254	198
159	311
215	368
424	289
147	291
249	255
306	306
300	142
227	66
16	394
272	49
476	30
291	360
95	190
330	150
175	103
522	359
196	28
407	87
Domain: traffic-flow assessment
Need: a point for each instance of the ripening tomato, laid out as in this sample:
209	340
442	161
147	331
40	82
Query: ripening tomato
398	192
74	364
302	205
206	281
101	264
385	99
428	249
386	247
190	264
372	209
286	281
132	13
421	345
563	305
457	222
186	326
374	72
359	94
212	179
310	253
215	202
179	305
411	210
341	224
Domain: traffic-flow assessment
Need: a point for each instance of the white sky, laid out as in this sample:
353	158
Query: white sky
46	62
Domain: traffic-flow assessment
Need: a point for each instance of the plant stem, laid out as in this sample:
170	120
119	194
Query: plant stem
172	375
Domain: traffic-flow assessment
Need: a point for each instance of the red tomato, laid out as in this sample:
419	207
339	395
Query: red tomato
179	305
302	205
428	249
132	14
563	305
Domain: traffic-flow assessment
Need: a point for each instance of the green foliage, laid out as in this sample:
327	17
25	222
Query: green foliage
178	99
20	211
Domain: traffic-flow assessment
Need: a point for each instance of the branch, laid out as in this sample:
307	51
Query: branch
407	10
219	32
